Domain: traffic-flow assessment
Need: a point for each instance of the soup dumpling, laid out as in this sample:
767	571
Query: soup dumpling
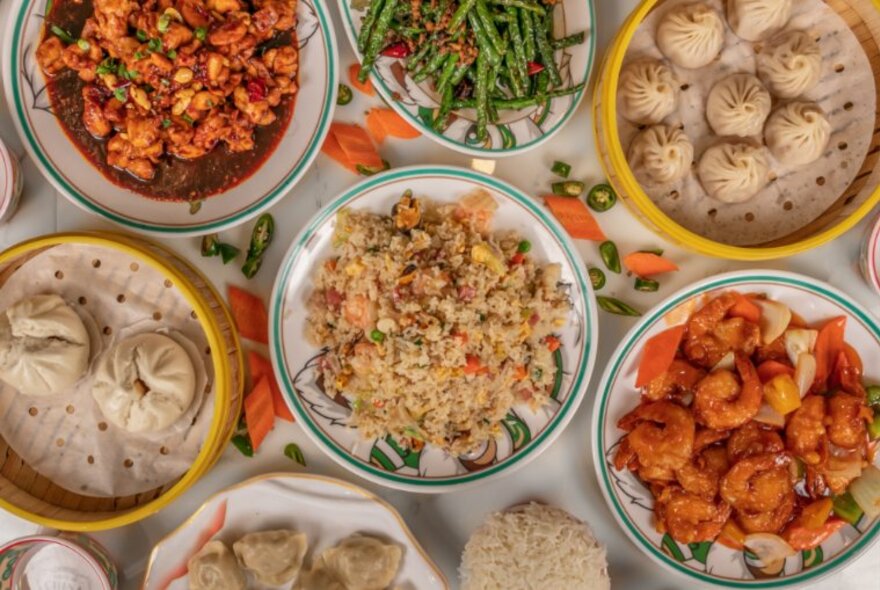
214	568
274	557
363	563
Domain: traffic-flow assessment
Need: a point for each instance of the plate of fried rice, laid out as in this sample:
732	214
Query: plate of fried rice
433	327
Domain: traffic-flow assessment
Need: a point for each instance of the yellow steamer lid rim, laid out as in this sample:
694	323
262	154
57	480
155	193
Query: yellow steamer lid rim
606	133
217	438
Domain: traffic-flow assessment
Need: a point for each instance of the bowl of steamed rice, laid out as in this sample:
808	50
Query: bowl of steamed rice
432	327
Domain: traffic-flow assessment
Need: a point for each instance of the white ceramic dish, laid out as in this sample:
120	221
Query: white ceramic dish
64	166
326	510
632	503
517	131
526	433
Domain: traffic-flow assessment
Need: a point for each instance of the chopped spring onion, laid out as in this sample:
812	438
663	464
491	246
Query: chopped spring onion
846	508
62	34
377	336
201	33
865	491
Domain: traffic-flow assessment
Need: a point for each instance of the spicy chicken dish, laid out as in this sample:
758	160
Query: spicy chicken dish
435	326
753	428
144	88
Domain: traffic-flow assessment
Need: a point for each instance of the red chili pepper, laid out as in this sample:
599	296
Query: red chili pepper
397	50
535	68
256	89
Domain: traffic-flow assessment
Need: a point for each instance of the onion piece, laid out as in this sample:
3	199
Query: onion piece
865	491
771	549
767	415
775	318
727	362
799	341
805	372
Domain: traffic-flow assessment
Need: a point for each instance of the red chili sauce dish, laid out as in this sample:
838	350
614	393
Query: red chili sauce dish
176	100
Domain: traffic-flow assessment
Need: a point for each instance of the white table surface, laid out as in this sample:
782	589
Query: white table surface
564	474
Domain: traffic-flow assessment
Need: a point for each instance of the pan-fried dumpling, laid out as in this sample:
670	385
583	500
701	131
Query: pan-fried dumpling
790	64
754	20
660	155
691	35
734	172
145	383
648	91
274	557
363	563
214	568
44	346
738	105
798	133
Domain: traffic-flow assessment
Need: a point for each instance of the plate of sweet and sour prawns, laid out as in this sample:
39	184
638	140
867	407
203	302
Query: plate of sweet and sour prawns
736	430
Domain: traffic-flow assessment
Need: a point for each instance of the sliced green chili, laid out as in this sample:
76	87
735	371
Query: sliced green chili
371	170
261	237
344	95
561	169
608	251
597	277
242	442
292	451
657	251
210	245
616	306
646	285
228	252
568	188
601	198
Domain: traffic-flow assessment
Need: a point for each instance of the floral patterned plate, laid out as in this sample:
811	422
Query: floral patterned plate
525	433
83	184
632	503
517	131
327	510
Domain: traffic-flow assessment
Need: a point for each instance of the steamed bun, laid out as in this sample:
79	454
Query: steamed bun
44	346
274	557
145	383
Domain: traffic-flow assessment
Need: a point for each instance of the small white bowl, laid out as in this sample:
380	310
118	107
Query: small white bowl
83	184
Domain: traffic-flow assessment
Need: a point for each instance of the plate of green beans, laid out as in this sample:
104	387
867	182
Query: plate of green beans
489	78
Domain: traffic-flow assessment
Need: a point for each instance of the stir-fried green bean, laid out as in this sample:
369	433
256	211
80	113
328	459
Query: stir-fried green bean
548	60
460	14
367	25
569	41
524	4
377	39
448	71
429	68
482	89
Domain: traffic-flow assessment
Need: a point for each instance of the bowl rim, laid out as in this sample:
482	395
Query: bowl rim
388	96
633	337
215	439
539	444
86	555
276	475
12	80
607	139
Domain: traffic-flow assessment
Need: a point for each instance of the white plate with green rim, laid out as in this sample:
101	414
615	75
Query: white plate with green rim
327	510
516	131
525	433
632	503
83	184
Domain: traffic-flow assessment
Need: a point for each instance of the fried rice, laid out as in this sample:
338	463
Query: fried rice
435	326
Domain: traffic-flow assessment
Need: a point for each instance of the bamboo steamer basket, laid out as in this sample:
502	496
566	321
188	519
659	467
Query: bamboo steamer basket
32	496
851	206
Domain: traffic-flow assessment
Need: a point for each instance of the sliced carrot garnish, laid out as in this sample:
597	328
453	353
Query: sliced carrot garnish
394	124
646	264
658	354
375	127
259	412
366	87
745	308
357	145
770	369
250	315
261	367
333	150
575	218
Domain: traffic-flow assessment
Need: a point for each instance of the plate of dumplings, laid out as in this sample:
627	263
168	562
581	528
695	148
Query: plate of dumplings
738	126
294	531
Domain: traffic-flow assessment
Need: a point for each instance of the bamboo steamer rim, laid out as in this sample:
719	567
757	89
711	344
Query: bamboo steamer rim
607	138
216	439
